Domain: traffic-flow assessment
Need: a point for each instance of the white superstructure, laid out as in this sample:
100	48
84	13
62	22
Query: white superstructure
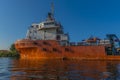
48	30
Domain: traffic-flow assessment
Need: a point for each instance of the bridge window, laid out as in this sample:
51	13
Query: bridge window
58	37
50	23
37	26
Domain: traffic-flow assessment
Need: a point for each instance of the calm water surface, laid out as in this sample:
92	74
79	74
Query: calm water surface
19	69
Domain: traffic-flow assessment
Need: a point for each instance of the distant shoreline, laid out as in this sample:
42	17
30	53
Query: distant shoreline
7	53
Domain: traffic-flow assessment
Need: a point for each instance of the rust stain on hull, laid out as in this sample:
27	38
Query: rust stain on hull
51	49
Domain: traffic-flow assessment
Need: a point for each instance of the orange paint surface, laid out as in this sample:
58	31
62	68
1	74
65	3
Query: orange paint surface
52	49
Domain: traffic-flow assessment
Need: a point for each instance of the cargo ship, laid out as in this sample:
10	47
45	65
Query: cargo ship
47	40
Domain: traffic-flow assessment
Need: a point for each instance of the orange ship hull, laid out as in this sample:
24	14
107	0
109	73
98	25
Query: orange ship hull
39	49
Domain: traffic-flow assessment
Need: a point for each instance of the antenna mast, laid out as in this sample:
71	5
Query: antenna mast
52	9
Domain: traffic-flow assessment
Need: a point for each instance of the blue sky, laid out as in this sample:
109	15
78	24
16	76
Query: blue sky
80	18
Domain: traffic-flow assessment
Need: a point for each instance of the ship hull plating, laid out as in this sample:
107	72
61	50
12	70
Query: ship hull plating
51	49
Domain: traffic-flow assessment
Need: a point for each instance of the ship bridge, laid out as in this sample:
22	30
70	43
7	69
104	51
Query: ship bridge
49	25
49	29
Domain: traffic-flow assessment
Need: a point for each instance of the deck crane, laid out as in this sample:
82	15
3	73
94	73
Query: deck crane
115	44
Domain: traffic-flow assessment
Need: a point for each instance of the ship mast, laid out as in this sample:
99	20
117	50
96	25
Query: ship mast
51	13
52	9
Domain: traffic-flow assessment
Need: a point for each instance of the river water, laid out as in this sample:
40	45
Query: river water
20	69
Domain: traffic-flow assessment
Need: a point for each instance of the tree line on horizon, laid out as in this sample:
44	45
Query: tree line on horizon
12	52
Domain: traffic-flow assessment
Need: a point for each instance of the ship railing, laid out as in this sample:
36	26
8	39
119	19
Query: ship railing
72	44
83	44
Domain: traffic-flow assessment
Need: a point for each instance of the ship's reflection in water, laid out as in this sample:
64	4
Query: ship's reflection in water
20	69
